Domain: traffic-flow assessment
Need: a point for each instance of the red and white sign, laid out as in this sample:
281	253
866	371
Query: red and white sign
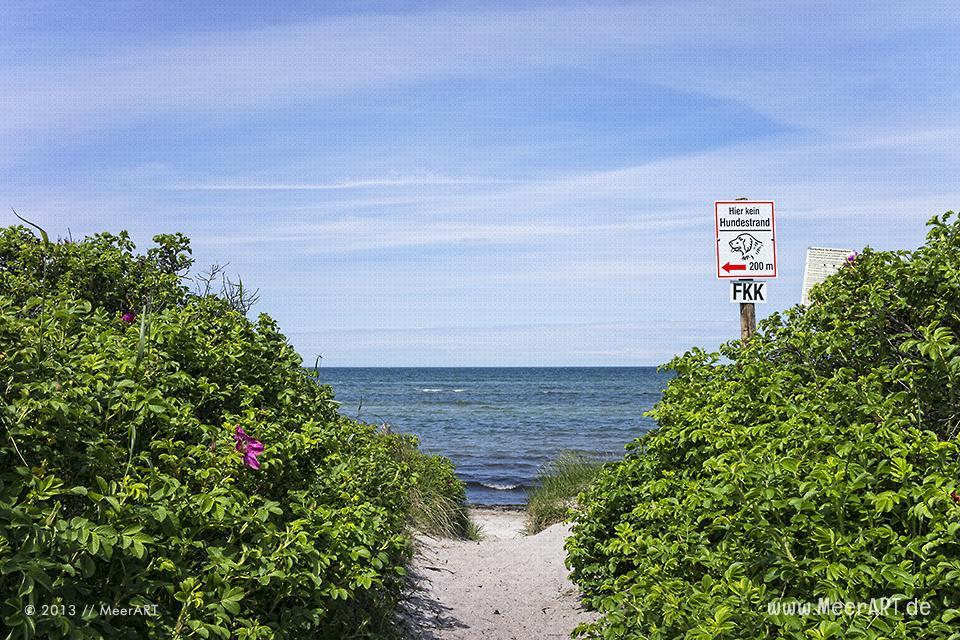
746	239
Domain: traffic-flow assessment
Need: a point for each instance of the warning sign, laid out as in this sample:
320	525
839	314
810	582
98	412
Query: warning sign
746	239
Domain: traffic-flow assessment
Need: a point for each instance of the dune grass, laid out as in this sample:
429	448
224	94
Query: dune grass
557	485
474	531
438	504
439	515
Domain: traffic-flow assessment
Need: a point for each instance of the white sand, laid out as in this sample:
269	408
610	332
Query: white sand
506	587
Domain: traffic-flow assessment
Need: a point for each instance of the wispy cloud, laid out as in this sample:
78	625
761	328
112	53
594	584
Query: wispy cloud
416	181
696	45
367	234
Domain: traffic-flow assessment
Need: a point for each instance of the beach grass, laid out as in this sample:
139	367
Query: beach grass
474	531
437	499
439	515
557	485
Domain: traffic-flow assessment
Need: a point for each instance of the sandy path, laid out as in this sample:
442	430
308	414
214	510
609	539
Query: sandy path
505	587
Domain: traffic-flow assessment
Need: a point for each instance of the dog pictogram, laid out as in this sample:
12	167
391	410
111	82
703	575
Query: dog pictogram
746	245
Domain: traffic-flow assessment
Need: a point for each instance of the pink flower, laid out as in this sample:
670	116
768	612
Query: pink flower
249	447
129	317
955	495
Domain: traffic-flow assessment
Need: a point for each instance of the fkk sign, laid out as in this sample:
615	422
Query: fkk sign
746	239
745	291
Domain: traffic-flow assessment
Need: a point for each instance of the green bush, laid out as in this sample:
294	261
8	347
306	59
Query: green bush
121	482
101	269
818	461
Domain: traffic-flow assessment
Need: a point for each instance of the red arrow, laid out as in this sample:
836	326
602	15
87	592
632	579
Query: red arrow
734	267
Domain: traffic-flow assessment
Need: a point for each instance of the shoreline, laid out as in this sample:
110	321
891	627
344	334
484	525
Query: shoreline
500	508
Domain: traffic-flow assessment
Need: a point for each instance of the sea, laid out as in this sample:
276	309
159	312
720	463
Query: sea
499	426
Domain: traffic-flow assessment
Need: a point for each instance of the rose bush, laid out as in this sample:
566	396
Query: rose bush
159	448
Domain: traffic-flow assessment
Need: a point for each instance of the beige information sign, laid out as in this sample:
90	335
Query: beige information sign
821	264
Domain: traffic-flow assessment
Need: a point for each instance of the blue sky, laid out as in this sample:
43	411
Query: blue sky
483	183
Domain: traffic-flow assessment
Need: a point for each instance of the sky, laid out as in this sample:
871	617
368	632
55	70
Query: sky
483	183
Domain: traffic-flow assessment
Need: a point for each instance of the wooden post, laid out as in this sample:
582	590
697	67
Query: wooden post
748	321
748	317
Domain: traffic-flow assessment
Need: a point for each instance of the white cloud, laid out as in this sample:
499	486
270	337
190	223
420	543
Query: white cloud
872	154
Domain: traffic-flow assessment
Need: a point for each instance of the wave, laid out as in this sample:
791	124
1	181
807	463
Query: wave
431	390
500	487
496	486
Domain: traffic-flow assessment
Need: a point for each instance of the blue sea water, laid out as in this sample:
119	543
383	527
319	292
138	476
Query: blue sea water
500	425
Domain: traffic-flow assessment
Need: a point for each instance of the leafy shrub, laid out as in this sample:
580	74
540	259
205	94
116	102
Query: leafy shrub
557	485
818	461
121	482
102	269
